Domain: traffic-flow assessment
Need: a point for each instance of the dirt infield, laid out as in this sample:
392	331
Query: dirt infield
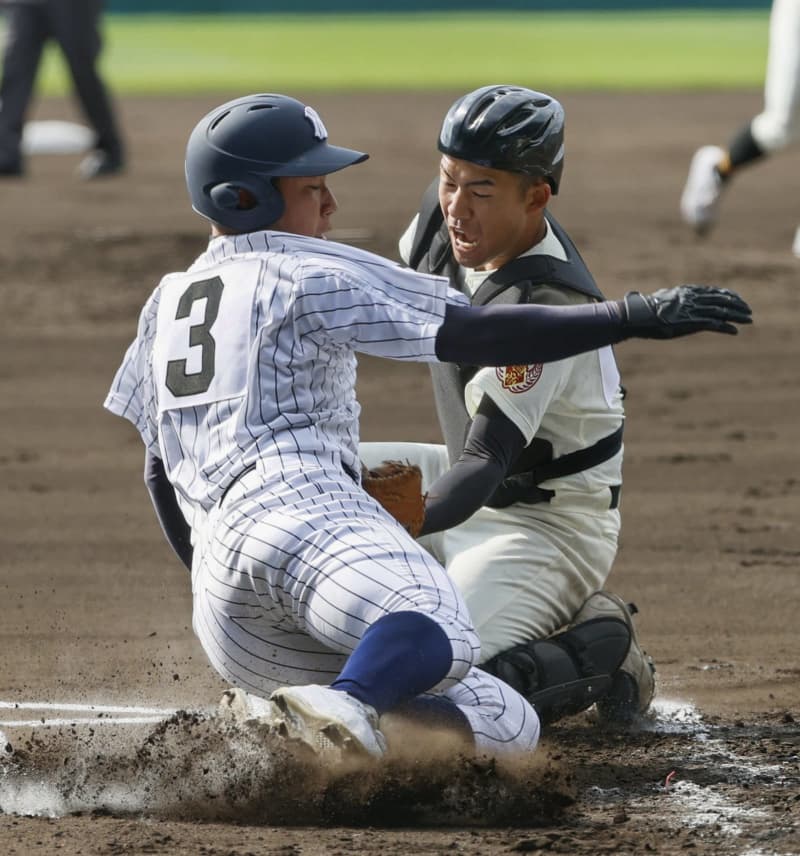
95	610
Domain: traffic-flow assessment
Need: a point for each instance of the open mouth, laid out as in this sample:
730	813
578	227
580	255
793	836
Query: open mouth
460	240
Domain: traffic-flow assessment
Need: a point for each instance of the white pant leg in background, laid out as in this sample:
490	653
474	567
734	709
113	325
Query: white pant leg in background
778	124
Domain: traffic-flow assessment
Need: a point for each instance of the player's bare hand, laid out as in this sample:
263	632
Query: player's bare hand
685	309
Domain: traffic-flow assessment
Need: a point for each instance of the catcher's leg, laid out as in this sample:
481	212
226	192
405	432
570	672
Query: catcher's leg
525	572
568	672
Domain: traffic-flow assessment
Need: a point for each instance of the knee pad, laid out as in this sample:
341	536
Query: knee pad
568	672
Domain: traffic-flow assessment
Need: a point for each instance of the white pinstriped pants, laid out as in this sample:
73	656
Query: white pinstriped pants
289	574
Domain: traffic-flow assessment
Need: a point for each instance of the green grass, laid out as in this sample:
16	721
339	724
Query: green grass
551	51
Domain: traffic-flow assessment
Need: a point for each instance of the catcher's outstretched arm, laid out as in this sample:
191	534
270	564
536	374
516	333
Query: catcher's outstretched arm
509	335
494	442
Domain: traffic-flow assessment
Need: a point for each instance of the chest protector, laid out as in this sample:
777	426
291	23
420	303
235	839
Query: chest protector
517	282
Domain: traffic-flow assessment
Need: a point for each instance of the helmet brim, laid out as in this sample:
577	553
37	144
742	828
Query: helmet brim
320	160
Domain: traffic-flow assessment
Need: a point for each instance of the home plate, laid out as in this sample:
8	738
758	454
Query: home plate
56	137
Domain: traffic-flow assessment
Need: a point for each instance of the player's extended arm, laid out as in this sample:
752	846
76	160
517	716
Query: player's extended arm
169	514
492	444
509	335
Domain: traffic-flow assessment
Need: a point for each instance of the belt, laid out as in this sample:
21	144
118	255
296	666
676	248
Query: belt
248	469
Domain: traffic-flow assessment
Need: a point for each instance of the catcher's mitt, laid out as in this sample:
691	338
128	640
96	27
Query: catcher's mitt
398	488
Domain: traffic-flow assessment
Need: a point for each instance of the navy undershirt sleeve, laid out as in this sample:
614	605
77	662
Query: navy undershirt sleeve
494	442
169	514
532	333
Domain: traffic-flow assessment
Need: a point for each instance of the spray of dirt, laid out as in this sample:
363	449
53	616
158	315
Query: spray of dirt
199	767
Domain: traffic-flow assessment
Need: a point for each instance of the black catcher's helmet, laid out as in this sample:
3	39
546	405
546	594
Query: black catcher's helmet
246	143
507	127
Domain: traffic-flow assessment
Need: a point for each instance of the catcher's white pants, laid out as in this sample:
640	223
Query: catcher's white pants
524	571
289	573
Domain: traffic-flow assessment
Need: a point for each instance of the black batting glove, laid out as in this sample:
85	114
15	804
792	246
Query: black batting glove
683	310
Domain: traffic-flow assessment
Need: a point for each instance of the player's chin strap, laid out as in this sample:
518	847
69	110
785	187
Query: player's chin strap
566	673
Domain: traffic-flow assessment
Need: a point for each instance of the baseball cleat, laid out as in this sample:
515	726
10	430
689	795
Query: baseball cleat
5	745
331	722
240	706
704	185
796	244
633	685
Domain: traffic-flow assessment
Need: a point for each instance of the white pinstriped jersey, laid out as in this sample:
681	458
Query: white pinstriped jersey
251	354
249	357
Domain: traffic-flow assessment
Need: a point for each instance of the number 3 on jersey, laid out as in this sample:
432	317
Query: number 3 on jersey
203	336
179	383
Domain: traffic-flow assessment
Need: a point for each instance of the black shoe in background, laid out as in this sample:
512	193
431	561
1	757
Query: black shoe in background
100	163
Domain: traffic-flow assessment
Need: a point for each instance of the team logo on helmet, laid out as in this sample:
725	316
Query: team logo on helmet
319	129
519	378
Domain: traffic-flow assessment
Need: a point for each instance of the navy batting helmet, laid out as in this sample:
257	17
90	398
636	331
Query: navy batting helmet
507	127
244	145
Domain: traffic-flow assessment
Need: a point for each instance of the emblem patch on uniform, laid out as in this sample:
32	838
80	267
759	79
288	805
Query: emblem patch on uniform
320	132
519	378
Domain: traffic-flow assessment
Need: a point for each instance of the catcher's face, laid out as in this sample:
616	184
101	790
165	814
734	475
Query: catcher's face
309	206
492	215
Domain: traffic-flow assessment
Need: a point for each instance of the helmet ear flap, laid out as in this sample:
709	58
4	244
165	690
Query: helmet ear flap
226	196
236	195
231	197
245	205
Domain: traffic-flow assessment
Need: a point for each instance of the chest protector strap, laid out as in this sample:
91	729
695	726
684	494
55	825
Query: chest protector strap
515	283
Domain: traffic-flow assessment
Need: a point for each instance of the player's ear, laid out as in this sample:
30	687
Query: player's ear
538	195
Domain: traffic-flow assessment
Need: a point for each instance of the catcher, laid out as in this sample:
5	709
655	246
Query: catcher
523	501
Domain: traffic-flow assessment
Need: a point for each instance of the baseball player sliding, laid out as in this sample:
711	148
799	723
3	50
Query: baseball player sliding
241	382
